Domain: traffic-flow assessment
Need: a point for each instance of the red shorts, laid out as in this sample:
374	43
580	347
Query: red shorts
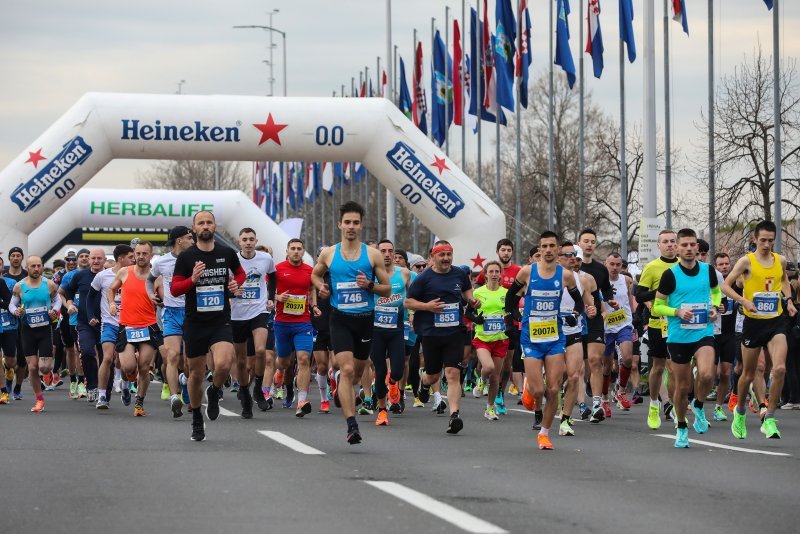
497	349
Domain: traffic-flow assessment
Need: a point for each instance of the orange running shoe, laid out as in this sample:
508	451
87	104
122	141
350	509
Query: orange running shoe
544	442
138	410
394	393
278	380
733	401
325	407
753	406
3	398
383	419
528	401
38	407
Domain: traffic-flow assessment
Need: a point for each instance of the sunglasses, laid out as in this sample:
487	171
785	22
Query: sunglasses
569	254
70	260
420	266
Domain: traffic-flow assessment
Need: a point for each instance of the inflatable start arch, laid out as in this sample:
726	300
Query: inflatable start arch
101	127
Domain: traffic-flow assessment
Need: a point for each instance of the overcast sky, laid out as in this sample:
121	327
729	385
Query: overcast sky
51	52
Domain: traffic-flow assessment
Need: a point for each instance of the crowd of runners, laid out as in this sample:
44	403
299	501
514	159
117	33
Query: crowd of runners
371	326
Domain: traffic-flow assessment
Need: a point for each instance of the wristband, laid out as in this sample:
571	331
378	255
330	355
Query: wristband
371	285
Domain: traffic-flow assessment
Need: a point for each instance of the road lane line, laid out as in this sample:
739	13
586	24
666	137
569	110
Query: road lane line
228	413
290	442
443	511
531	413
728	447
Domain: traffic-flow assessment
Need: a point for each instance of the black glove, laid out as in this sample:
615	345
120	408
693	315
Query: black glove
570	320
478	318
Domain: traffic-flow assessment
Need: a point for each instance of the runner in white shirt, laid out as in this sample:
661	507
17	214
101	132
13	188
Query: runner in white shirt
249	315
123	256
619	325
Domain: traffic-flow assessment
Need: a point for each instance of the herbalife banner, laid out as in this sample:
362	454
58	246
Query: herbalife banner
101	127
145	209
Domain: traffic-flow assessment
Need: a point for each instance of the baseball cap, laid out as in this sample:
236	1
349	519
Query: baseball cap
83	251
71	252
176	233
578	252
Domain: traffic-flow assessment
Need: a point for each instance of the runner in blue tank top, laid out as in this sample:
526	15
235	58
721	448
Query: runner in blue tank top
688	296
542	338
353	267
36	302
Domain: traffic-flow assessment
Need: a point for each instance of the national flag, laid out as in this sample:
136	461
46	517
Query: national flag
363	90
487	55
383	85
311	180
679	14
441	90
475	73
419	109
458	70
359	172
524	56
626	27
471	119
327	177
405	103
504	51
594	40
290	192
769	4
563	52
338	173
277	181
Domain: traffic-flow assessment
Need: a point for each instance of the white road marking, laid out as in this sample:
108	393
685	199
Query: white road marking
290	442
531	413
443	511
228	413
728	447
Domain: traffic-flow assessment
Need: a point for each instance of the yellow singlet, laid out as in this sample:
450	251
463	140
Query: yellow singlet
763	288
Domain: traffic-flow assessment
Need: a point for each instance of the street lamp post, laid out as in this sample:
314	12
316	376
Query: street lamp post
283	37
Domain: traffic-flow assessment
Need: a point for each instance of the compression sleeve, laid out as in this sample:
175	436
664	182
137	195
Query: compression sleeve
662	309
716	296
667	284
93	304
5	295
272	285
55	302
642	294
180	285
473	315
578	298
14	304
512	299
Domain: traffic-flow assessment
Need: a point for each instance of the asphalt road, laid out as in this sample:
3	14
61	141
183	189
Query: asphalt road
76	469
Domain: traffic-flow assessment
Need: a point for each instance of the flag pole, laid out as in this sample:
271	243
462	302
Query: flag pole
776	104
319	235
462	68
667	122
581	125
391	88
518	166
650	201
352	92
446	81
378	200
414	222
479	88
623	165
365	185
551	215
712	230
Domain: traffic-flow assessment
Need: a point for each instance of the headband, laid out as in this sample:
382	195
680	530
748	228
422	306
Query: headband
441	248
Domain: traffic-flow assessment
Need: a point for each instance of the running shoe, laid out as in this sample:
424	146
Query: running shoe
606	408
512	390
270	403
210	376
366	408
700	421
753	407
622	400
732	401
478	389
220	393
770	429
402	405
654	417
17	396
565	429
682	438
544	442
762	412
247	403
719	414
598	414
212	403
441	407
102	404
325	407
467	387
395	408
424	393
394	393
418	403
280	392
165	395
198	427
126	396
500	404
668	412
712	395
258	397
133	387
303	408
738	427
528	400
138	410
789	406
333	379
278	380
82	393
538	415
484	389
636	398
490	413
176	406
73	390
184	381
38	407
383	418
455	424
353	435
92	395
235	387
4	397
586	412
288	403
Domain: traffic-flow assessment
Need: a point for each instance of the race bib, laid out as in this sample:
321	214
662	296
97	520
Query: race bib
766	303
616	317
664	327
351	297
699	318
295	304
210	298
494	324
5	319
386	316
449	316
739	323
36	317
543	329
406	330
137	335
250	292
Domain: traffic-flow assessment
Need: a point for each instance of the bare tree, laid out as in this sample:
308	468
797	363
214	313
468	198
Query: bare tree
194	175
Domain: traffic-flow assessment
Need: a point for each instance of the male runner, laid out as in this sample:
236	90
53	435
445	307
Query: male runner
353	266
15	272
766	295
725	338
138	337
9	325
249	314
619	325
296	300
688	296
657	327
388	336
76	289
63	326
97	310
542	338
36	302
202	273
322	345
77	387
172	315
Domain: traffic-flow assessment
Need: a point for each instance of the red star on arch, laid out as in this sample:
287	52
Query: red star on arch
477	261
35	158
270	130
440	164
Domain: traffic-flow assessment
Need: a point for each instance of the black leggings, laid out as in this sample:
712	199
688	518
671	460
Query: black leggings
791	386
387	343
413	367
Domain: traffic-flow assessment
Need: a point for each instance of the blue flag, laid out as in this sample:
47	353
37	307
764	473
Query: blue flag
475	69
441	90
405	97
504	52
291	187
563	52
524	57
626	27
769	3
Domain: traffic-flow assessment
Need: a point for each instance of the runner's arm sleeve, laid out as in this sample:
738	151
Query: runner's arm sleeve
93	304
473	315
578	298
511	296
662	309
55	302
14	304
667	284
642	294
272	285
180	285
607	291
716	296
5	295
